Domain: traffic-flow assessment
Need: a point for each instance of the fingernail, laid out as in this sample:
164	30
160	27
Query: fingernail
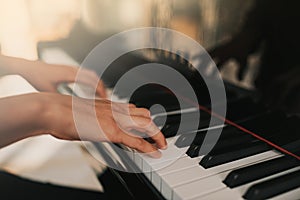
164	147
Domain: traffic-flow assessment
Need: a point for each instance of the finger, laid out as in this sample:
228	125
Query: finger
123	108
49	88
160	140
146	125
90	78
124	105
101	89
140	144
142	124
140	112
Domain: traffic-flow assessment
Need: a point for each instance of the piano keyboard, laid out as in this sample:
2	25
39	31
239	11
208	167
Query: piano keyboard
238	167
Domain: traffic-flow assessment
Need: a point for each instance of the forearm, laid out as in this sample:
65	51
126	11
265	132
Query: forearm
19	118
12	65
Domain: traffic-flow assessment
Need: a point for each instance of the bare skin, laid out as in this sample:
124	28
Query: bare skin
46	77
52	113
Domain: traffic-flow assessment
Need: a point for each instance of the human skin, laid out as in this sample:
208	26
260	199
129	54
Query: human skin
51	113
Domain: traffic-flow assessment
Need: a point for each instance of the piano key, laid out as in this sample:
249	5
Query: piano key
169	155
273	187
266	122
146	165
198	188
230	136
225	193
227	143
182	177
213	184
205	117
227	140
293	194
193	151
189	126
244	188
183	163
221	157
230	194
171	126
247	105
175	118
260	170
198	137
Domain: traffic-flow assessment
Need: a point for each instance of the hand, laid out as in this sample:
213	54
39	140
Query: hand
46	77
118	126
50	113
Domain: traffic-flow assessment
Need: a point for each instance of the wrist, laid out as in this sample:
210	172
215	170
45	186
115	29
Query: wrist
34	108
19	116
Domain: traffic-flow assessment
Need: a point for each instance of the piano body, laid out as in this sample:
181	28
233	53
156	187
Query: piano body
241	165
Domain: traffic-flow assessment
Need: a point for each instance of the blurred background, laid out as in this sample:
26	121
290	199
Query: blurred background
77	26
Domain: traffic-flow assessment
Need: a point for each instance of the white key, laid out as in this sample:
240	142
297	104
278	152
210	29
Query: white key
191	179
183	163
171	154
220	195
200	187
214	189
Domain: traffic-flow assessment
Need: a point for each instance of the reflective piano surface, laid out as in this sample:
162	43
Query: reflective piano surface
239	166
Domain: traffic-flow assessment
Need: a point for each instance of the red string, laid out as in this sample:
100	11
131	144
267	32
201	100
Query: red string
203	108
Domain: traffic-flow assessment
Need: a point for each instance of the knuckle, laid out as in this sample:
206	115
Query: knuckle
143	122
144	111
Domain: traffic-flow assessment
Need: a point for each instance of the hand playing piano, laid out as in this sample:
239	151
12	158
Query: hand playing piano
46	77
50	113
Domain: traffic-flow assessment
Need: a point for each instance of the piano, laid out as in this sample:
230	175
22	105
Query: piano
255	157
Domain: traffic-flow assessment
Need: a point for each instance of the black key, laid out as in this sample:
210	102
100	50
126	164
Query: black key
293	147
243	109
273	187
260	170
231	136
196	141
193	151
219	157
221	144
266	122
171	130
175	118
225	139
189	124
168	105
188	139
